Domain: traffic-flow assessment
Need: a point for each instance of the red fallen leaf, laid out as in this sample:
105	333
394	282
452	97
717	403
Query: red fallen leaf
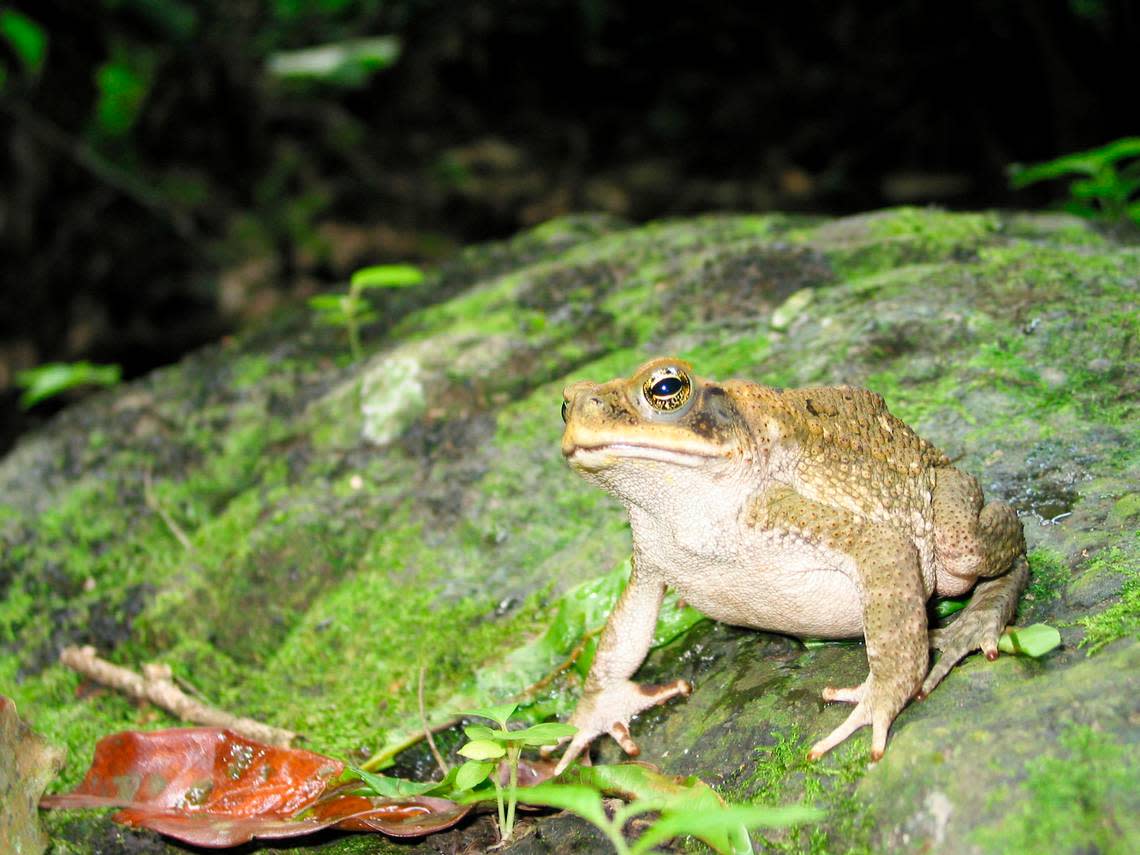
409	817
211	787
204	769
216	830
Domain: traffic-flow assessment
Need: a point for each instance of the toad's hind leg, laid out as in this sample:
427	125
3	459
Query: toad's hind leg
970	541
973	541
979	625
894	624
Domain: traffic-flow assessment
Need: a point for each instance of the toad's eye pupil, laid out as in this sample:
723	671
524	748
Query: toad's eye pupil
667	391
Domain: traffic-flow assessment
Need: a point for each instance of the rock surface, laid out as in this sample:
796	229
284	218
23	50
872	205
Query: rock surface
297	535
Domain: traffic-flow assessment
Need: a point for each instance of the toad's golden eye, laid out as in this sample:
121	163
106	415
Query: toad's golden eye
667	389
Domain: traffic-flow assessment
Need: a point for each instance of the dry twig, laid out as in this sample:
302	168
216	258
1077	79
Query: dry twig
443	767
156	685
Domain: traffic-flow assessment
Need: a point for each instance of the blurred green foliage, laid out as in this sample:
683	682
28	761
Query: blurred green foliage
171	136
123	82
346	64
52	378
1105	181
26	38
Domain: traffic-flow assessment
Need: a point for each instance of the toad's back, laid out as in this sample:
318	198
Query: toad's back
841	445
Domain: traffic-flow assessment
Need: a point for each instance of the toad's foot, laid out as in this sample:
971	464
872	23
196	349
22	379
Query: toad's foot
979	625
609	710
873	706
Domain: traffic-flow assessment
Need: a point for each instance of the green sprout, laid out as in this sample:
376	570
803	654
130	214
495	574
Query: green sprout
1106	185
679	807
350	310
489	747
52	378
683	807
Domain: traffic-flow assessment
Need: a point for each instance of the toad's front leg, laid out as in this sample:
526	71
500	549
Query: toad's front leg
894	625
610	699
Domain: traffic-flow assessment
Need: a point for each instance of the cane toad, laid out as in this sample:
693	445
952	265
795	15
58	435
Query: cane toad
811	512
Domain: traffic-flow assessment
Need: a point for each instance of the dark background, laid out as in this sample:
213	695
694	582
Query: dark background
159	188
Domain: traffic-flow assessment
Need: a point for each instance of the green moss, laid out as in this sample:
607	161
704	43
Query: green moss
485	310
1121	620
783	775
903	236
1048	575
1069	800
1127	507
1060	228
335	676
249	370
939	230
729	356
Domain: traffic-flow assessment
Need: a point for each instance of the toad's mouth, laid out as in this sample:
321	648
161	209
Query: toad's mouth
604	455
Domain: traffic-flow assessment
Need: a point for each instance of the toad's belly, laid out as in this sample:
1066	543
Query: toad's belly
802	601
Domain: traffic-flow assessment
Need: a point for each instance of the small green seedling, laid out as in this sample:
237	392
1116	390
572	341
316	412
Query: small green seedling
489	747
50	379
1106	185
350	310
683	808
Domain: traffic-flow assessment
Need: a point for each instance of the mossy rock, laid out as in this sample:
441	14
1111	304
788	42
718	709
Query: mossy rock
297	535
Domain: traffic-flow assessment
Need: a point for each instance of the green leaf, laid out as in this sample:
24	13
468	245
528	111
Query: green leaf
584	801
538	734
501	714
51	378
580	612
717	827
1035	640
480	731
947	606
1079	163
471	774
483	749
387	276
633	781
392	788
27	39
326	302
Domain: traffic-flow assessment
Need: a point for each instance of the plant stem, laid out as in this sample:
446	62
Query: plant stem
443	767
352	307
354	339
617	839
503	833
512	788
